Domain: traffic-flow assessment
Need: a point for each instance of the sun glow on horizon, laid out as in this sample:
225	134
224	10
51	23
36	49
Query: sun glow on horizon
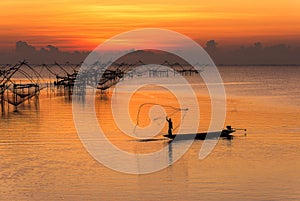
82	25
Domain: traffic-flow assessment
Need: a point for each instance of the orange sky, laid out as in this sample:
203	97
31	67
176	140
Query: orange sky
83	24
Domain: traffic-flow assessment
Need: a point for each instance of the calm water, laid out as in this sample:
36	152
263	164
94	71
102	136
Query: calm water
42	157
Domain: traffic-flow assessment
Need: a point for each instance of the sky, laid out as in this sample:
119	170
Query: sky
84	24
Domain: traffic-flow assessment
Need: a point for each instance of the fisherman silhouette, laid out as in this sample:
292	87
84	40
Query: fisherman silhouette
170	125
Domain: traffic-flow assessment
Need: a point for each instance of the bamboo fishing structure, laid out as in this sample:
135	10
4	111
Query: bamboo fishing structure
14	92
23	82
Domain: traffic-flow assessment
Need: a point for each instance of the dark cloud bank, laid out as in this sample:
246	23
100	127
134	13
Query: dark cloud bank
256	54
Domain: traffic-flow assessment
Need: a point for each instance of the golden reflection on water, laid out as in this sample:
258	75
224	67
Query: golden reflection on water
43	158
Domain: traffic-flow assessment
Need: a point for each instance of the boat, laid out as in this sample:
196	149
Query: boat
226	133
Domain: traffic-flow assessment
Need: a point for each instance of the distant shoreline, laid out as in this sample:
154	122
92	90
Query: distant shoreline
248	65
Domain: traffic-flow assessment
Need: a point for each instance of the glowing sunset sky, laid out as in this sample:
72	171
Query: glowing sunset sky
85	24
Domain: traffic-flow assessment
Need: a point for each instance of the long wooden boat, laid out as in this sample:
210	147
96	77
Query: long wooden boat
226	133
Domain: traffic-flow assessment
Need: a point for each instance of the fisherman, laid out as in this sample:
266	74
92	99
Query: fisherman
170	125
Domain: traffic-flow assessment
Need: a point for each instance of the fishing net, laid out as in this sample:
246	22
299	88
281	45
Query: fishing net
158	116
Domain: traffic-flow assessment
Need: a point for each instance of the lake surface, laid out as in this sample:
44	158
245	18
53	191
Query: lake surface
42	157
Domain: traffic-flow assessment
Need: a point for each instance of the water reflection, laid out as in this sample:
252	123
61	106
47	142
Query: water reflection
170	152
26	109
41	155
